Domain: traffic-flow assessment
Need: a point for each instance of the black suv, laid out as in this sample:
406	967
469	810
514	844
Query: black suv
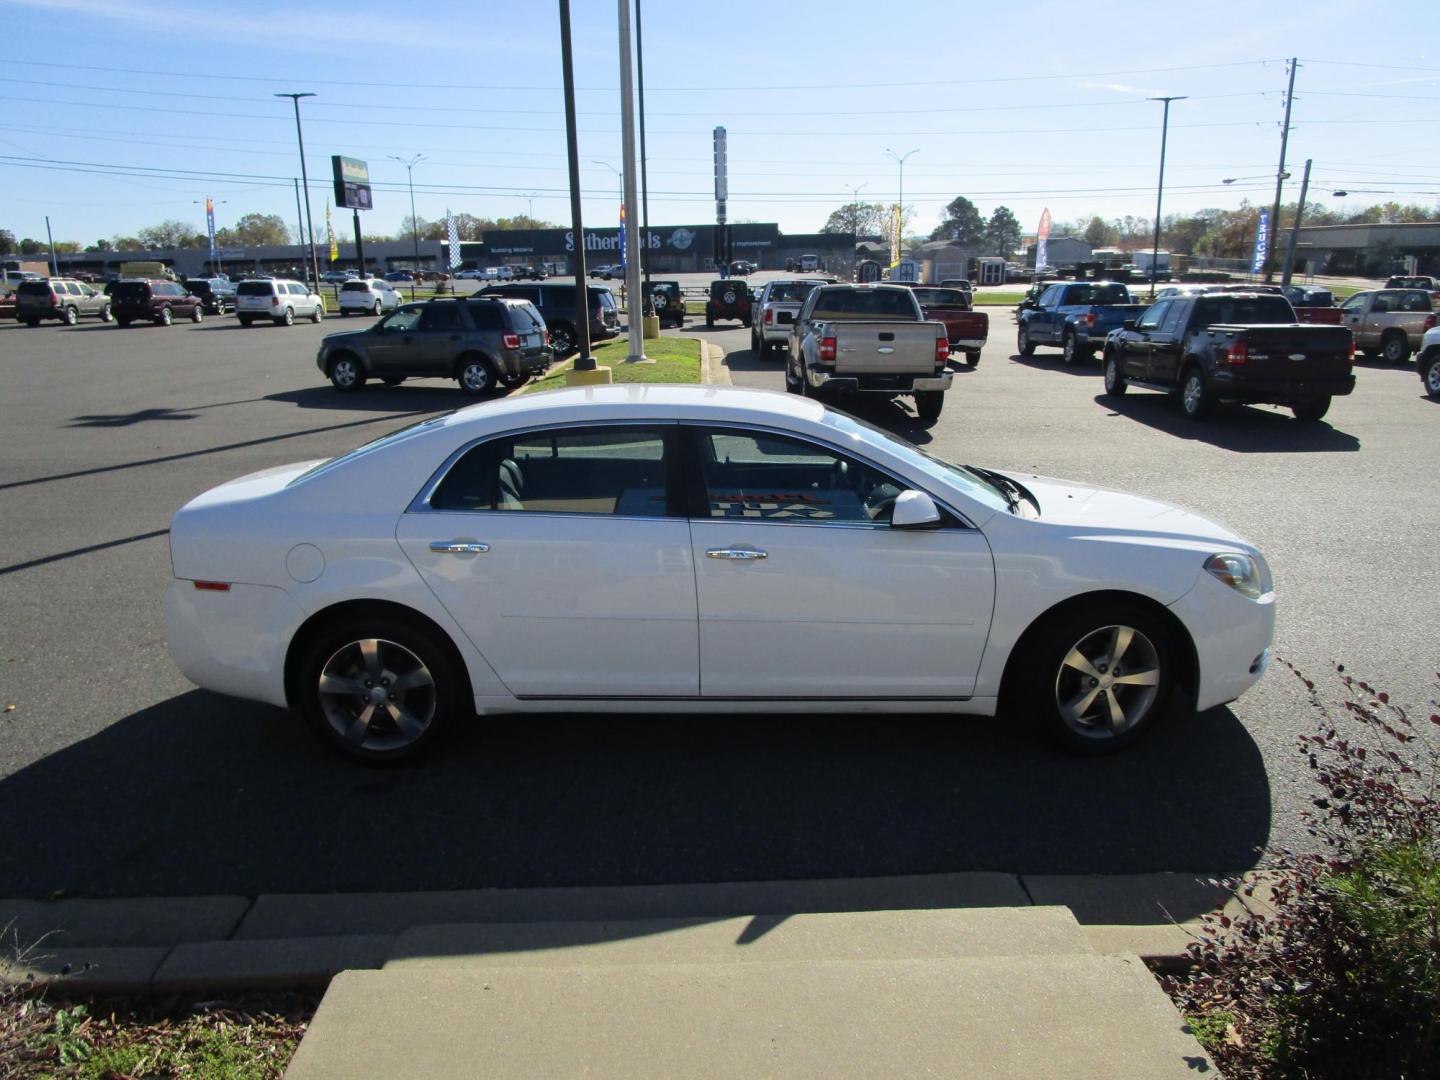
669	299
487	344
557	307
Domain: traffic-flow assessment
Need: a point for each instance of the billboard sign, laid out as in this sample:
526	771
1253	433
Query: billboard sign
352	183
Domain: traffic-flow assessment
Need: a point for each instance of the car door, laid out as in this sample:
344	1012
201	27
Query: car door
1043	319
438	340
1167	343
391	342
1352	314
804	589
1137	345
564	556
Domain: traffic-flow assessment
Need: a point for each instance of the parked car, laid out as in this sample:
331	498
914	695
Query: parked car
1389	323
958	283
483	343
868	339
530	273
278	300
1245	347
607	272
160	302
743	267
669	300
216	295
1428	363
966	328
556	304
775	555
1429	284
399	275
470	275
808	264
775	313
728	300
1323	311
335	277
58	298
372	297
1076	316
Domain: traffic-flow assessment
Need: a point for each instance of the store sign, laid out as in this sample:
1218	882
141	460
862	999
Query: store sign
352	183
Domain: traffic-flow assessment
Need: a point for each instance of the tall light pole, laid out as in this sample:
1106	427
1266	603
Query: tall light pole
619	175
585	370
644	182
1280	175
1160	187
635	301
900	206
305	182
414	225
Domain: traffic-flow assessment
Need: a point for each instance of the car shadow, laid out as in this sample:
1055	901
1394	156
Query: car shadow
1053	362
202	794
1245	429
749	360
433	395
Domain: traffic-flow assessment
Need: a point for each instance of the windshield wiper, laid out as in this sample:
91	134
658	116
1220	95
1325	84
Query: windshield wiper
1012	491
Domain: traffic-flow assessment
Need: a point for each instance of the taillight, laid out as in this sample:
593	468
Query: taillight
274	301
1352	352
1088	320
1429	322
827	350
942	347
213	586
1238	353
510	341
769	316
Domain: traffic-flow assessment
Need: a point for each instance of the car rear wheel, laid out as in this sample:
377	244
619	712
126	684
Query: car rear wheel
1196	399
71	316
928	404
1312	409
1395	349
476	377
972	358
380	689
318	313
1115	382
376	308
1430	372
105	315
197	314
346	373
1102	676
1023	344
166	317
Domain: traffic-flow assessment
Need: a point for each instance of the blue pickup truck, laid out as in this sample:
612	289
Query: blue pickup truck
1076	316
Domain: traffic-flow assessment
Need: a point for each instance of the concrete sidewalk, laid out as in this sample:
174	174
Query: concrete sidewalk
232	942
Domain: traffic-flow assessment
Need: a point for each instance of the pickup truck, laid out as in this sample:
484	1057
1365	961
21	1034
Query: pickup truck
1245	347
1389	323
868	339
1075	315
775	313
966	328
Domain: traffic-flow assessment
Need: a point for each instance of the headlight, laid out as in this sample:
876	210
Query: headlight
1236	570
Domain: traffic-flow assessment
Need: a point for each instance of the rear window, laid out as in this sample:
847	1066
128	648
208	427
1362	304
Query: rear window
791	292
131	290
606	298
199	288
871	303
355	286
33	288
1098	294
1241	310
941	297
524	319
255	288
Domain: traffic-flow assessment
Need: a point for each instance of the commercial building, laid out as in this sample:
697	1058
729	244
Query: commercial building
1378	249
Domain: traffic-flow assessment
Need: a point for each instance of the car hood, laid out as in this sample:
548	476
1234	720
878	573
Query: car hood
344	335
1065	503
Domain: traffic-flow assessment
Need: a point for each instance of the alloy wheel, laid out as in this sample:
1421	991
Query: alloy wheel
377	695
1107	681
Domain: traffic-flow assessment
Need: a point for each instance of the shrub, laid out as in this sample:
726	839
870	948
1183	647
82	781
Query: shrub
1341	978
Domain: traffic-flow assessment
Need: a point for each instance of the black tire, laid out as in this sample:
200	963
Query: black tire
1395	349
287	319
317	314
347	373
709	321
344	313
755	347
377	308
244	320
105	314
1023	344
1430	375
1197	400
928	404
434	690
972	358
118	322
70	316
1115	381
746	321
562	340
476	376
197	314
1073	352
1312	409
165	318
1049	676
792	385
393	380
32	323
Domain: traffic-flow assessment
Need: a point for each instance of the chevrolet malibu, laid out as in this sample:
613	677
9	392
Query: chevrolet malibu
687	549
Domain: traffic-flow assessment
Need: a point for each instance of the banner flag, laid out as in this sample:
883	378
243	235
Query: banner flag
622	236
1262	243
1042	242
330	233
210	224
452	233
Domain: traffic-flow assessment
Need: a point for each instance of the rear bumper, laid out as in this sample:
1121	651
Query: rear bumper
1281	391
776	332
875	383
967	343
232	642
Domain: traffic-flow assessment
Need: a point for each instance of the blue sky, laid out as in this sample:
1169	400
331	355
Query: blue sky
1032	105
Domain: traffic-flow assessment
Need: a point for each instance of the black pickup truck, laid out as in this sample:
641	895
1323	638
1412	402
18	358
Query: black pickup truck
1245	347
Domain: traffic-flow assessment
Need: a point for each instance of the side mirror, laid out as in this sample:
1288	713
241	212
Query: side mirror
1027	303
1129	324
914	510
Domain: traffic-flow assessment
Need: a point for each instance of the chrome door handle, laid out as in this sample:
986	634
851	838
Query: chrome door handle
743	554
459	547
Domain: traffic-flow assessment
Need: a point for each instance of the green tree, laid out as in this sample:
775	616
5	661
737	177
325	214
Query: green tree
100	245
31	247
168	234
961	222
860	218
8	243
256	230
1002	232
125	243
1098	233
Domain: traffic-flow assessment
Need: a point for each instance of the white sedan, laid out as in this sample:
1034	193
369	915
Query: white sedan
703	549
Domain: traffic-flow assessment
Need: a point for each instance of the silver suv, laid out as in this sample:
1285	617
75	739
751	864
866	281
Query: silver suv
58	298
277	299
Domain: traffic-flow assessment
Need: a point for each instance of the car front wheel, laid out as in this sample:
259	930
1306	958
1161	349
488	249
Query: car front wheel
379	689
1023	343
1115	383
1430	372
475	377
1100	677
562	340
166	318
347	374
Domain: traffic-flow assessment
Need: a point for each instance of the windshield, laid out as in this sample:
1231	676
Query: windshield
355	286
876	303
399	435
790	292
957	476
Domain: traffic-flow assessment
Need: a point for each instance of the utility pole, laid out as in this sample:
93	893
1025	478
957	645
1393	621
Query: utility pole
1295	228
305	182
414	225
644	184
585	369
54	262
635	302
300	221
900	206
1160	189
1280	176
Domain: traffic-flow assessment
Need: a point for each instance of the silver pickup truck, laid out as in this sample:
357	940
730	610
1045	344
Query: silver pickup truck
1389	323
868	339
775	313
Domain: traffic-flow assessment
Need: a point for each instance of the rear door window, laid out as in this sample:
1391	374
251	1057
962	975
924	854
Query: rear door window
524	319
487	315
444	316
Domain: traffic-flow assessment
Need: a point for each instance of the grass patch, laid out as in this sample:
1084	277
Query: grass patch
677	360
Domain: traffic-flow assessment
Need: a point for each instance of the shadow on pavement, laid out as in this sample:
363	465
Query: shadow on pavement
1053	362
1245	429
203	794
429	395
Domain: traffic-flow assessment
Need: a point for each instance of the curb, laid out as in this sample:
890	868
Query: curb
713	369
164	944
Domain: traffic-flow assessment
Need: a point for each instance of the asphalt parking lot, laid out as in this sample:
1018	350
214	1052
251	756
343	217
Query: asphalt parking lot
119	778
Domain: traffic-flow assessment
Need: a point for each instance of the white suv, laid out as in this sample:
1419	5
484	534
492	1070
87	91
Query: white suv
371	295
278	300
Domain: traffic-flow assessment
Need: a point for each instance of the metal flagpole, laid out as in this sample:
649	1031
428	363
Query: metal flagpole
634	304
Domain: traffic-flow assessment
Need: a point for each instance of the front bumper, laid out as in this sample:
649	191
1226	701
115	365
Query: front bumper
875	383
1232	636
232	642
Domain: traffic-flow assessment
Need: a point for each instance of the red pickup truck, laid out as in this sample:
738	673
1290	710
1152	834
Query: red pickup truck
966	328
